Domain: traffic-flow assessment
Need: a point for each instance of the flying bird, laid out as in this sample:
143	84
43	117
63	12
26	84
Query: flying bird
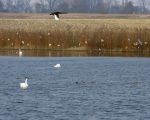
56	14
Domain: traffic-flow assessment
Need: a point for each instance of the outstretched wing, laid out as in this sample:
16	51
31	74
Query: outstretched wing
62	12
57	13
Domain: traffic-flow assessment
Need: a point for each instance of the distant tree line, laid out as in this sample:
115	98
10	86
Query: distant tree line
76	6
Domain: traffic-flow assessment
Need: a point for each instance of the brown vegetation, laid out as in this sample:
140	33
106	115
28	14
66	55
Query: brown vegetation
76	34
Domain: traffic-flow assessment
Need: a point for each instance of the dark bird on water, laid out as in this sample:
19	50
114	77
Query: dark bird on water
56	14
77	82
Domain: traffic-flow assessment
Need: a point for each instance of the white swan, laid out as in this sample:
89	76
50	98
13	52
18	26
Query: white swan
24	85
57	66
20	52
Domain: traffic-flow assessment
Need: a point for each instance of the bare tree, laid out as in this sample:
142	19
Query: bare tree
63	6
80	6
51	4
9	5
142	4
109	5
1	6
20	5
129	8
92	4
38	7
101	6
27	6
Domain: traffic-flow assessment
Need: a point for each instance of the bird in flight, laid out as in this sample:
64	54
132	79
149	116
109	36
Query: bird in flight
56	14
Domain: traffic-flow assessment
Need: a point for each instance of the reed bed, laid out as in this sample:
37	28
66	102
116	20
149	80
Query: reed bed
76	34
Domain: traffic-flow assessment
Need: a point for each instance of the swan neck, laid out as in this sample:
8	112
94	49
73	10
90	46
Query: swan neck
26	81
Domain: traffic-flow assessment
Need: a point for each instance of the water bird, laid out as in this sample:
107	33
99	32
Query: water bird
20	52
24	85
77	82
140	42
57	66
56	14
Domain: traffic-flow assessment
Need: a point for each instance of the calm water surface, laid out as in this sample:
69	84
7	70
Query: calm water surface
84	88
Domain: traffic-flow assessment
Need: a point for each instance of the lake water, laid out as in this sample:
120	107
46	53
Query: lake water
84	88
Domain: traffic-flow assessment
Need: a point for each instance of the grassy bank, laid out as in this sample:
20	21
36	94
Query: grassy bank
76	34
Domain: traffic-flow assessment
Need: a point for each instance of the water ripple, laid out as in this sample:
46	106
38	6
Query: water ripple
83	89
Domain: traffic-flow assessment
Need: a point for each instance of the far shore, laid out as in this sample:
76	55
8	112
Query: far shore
73	16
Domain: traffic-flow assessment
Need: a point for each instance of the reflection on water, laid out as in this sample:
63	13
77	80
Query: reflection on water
43	52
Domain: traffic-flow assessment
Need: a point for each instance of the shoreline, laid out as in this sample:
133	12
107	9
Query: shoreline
70	53
72	16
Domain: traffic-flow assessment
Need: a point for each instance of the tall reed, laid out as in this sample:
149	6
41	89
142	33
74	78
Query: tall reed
80	34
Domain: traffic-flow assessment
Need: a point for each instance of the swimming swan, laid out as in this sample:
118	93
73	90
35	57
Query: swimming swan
20	52
24	85
57	66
